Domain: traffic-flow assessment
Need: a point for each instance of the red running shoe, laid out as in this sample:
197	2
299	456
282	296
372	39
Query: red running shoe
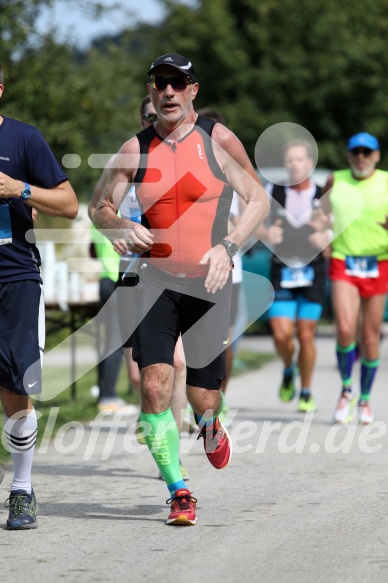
183	507
217	444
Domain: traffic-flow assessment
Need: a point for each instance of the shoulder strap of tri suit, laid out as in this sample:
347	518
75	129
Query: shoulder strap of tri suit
205	123
145	137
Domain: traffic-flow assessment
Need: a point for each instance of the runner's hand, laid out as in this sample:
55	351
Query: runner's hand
219	268
319	220
275	233
138	239
9	187
120	246
321	239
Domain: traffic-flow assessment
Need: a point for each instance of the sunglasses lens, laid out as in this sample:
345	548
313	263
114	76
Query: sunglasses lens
365	151
178	83
149	117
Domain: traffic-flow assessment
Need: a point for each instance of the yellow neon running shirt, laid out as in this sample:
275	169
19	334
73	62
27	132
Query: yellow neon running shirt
359	235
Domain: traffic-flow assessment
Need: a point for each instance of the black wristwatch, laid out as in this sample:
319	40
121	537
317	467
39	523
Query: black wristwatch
231	248
26	192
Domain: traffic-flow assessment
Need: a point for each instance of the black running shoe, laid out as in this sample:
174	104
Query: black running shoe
22	510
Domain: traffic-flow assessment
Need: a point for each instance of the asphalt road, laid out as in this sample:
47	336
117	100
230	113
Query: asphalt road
302	500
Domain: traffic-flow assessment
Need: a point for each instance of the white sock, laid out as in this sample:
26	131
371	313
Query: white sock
21	438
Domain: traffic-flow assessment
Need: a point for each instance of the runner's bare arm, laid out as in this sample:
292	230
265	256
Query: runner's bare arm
99	189
120	178
119	245
325	200
59	201
322	221
385	224
242	178
233	159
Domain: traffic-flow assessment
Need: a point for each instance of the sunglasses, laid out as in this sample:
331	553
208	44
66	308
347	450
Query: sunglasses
149	117
178	83
364	151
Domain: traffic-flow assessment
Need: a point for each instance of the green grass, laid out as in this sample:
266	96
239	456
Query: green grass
246	360
83	408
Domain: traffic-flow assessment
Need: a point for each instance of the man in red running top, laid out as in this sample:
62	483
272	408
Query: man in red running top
185	168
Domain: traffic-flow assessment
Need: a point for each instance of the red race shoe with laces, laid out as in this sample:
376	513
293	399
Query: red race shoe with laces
183	507
217	444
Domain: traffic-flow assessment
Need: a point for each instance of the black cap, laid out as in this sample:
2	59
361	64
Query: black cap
177	61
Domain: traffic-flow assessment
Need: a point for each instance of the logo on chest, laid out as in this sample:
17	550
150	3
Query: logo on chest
200	151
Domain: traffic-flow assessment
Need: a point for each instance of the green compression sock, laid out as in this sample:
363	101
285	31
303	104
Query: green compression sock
162	438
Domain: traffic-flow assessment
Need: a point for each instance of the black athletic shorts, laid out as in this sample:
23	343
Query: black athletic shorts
168	306
314	293
126	304
22	335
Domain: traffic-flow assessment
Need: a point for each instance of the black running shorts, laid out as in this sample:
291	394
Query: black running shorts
168	306
22	334
126	305
314	293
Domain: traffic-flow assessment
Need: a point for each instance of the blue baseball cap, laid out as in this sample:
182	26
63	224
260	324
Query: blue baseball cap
363	140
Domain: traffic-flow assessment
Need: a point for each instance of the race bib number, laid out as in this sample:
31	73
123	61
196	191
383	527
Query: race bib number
5	224
297	276
362	266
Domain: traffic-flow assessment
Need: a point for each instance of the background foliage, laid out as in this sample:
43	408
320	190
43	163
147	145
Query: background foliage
320	65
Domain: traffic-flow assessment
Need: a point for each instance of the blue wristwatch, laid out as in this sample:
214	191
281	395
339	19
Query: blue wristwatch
26	192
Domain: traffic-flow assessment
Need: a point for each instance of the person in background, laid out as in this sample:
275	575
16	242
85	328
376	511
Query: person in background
30	178
358	268
298	271
109	367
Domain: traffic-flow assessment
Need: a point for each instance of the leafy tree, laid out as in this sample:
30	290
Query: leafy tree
82	103
320	65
